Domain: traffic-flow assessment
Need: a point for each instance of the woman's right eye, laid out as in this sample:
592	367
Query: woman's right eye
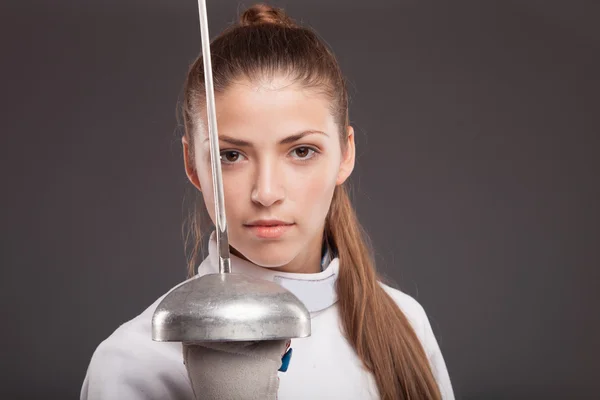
231	156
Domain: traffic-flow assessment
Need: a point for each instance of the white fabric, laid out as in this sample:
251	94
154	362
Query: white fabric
129	365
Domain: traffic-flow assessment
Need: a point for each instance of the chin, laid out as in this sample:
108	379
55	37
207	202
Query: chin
268	256
269	261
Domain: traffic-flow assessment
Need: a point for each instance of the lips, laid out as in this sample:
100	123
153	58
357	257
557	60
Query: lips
269	229
268	222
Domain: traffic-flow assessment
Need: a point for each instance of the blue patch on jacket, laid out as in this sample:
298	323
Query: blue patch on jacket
285	360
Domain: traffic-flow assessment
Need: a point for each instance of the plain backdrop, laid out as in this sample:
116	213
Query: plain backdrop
477	176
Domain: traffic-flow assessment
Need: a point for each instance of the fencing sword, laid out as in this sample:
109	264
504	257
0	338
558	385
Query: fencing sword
226	306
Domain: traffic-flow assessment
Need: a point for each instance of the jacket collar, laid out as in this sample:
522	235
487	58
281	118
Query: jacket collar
316	291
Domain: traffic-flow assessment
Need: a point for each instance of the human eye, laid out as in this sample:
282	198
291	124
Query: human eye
231	156
304	153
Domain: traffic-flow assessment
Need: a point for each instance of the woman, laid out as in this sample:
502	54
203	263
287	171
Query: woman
287	150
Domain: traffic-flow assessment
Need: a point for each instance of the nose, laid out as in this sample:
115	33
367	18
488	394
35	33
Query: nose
268	186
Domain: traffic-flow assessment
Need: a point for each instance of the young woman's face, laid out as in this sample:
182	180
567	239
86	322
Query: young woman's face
281	159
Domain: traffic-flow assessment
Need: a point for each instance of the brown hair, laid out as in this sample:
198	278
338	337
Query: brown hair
267	42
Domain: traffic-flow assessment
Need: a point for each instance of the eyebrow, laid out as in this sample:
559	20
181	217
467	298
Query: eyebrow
287	140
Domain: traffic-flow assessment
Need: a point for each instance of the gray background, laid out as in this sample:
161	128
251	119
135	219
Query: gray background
478	135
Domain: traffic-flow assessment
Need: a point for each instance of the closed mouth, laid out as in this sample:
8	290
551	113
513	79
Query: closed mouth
268	223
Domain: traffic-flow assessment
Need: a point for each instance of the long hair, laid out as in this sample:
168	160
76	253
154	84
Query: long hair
266	42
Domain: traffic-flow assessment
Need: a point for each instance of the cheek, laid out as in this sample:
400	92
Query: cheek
209	201
203	169
318	189
314	195
235	191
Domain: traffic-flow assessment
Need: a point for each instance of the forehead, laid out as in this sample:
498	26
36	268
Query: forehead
271	109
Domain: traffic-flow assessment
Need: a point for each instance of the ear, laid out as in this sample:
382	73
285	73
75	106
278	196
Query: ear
190	169
347	164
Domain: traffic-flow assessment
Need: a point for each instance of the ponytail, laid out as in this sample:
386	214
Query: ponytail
373	323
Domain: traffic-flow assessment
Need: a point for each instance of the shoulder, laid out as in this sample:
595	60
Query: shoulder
411	308
129	364
416	315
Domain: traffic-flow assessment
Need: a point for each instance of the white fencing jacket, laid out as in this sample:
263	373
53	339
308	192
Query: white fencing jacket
130	365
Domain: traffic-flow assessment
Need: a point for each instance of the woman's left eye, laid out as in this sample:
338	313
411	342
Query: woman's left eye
303	152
